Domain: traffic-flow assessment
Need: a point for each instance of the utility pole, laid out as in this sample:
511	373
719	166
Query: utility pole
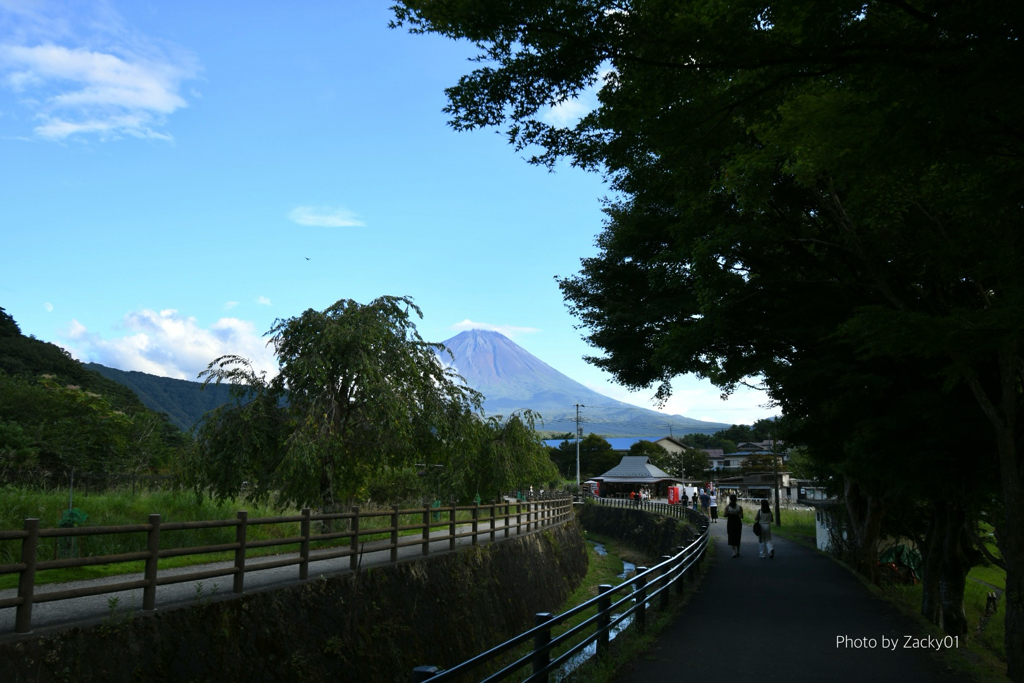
775	476
579	433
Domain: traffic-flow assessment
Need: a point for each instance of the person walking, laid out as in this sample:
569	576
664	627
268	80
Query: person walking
765	517
713	505
734	524
705	503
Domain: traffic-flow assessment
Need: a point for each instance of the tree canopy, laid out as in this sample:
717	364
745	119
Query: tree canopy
824	197
358	391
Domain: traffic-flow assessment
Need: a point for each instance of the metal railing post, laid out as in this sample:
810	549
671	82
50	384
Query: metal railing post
640	588
394	533
604	618
240	531
541	653
27	580
304	546
153	548
353	559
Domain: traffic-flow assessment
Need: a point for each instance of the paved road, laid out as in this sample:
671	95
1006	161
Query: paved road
769	620
59	614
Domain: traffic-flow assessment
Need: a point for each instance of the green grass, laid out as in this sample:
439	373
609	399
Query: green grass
118	508
797	526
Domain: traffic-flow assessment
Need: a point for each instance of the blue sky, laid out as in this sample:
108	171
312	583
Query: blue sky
176	176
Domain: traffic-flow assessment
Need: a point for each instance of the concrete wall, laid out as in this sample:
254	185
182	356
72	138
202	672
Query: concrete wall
372	626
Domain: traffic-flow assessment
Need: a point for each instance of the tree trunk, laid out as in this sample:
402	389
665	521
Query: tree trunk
953	576
866	512
1003	416
931	561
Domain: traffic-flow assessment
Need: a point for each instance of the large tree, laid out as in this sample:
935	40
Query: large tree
816	182
358	390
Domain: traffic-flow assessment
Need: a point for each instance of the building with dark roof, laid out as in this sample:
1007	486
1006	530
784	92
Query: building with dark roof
632	473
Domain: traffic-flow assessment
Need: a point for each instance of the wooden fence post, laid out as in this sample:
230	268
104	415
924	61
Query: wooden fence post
519	518
240	531
353	559
394	533
426	529
541	654
640	587
604	618
452	515
476	522
152	562
304	546
508	521
494	518
27	580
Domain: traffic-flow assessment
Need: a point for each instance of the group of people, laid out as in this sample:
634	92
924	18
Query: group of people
707	500
734	528
637	496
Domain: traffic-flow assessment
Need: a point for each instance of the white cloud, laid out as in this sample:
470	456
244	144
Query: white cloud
228	305
324	216
48	306
169	344
697	399
90	74
263	301
507	330
570	111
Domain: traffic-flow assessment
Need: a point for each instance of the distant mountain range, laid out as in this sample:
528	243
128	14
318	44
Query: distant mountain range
184	402
505	373
512	378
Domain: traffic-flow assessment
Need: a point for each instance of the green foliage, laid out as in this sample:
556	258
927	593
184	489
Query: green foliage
656	454
501	455
596	457
823	197
52	427
358	391
8	327
696	464
184	402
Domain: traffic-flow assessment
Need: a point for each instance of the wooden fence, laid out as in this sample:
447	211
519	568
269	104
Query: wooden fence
488	520
614	608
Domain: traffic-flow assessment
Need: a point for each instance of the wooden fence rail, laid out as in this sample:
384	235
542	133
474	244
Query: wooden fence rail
519	517
594	621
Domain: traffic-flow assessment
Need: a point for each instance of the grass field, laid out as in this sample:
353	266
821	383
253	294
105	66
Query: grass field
117	508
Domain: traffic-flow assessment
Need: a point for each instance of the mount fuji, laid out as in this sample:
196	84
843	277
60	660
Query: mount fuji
511	378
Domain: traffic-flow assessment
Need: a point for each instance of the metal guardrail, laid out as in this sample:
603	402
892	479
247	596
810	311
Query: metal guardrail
613	609
483	520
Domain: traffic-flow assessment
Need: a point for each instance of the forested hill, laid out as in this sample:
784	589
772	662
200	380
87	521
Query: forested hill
22	356
184	402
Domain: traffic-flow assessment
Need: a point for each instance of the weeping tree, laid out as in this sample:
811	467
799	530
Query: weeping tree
358	391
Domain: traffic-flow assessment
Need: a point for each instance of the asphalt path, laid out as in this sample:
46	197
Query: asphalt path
785	619
61	614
